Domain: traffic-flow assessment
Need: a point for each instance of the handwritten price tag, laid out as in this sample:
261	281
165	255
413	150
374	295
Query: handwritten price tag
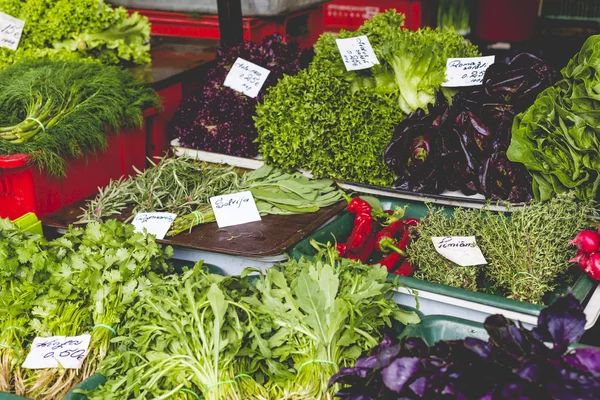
357	53
461	250
57	351
11	29
467	71
234	209
155	223
246	77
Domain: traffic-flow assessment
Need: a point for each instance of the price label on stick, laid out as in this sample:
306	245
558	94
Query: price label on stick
156	223
11	29
357	53
467	71
234	209
246	77
461	250
57	351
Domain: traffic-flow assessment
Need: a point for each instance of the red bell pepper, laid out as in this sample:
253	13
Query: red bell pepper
361	242
406	269
391	261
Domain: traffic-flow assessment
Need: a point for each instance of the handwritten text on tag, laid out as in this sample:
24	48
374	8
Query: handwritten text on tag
246	77
11	30
461	250
357	53
57	351
155	223
234	209
467	71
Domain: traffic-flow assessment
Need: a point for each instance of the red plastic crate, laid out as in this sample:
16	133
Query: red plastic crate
304	26
351	14
24	188
157	122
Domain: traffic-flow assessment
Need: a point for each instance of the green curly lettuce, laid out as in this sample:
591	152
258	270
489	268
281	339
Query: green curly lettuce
77	29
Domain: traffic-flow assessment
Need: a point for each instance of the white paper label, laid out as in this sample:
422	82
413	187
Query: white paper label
467	71
246	77
11	29
156	223
357	53
57	351
461	250
234	209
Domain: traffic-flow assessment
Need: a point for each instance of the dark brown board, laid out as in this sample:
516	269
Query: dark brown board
271	236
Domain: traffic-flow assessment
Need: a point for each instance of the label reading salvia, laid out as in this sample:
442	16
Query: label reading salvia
11	29
234	209
467	71
57	351
155	223
246	77
461	250
357	53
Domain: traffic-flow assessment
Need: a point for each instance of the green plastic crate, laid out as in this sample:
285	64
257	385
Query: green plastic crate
29	223
442	299
434	328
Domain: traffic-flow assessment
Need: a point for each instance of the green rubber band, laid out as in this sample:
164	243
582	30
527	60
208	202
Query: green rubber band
229	382
38	121
199	217
110	328
242	376
190	391
316	361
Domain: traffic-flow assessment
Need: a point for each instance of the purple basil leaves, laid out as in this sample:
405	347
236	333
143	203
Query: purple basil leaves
514	363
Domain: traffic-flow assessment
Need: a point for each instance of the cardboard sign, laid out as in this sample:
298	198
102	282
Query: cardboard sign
461	250
57	351
357	53
155	223
467	71
246	77
234	209
11	29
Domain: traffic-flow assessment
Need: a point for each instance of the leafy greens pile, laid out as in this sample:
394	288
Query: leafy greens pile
219	119
556	138
514	363
336	123
52	110
463	146
80	283
280	337
527	251
77	29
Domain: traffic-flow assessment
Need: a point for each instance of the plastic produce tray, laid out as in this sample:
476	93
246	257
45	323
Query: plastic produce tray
351	14
255	8
24	188
434	328
436	298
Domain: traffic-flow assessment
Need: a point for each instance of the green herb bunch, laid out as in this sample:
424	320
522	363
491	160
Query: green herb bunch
527	251
77	29
68	286
52	110
280	335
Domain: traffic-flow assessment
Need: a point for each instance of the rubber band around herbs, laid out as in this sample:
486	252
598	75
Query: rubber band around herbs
316	361
228	382
199	217
191	392
38	121
110	328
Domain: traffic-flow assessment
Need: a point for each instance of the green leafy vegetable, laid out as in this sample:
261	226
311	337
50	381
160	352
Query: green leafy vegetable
51	110
556	138
77	29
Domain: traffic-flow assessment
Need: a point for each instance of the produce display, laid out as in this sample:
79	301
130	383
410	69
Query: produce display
514	363
184	186
280	336
336	123
82	282
219	119
52	110
556	137
463	146
454	14
77	29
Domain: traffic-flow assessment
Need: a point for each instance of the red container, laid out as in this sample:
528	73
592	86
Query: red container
351	14
506	20
304	26
157	122
24	188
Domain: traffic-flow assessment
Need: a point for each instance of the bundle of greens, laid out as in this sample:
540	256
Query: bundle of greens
556	138
184	186
527	251
52	110
336	123
454	14
80	283
280	337
77	29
